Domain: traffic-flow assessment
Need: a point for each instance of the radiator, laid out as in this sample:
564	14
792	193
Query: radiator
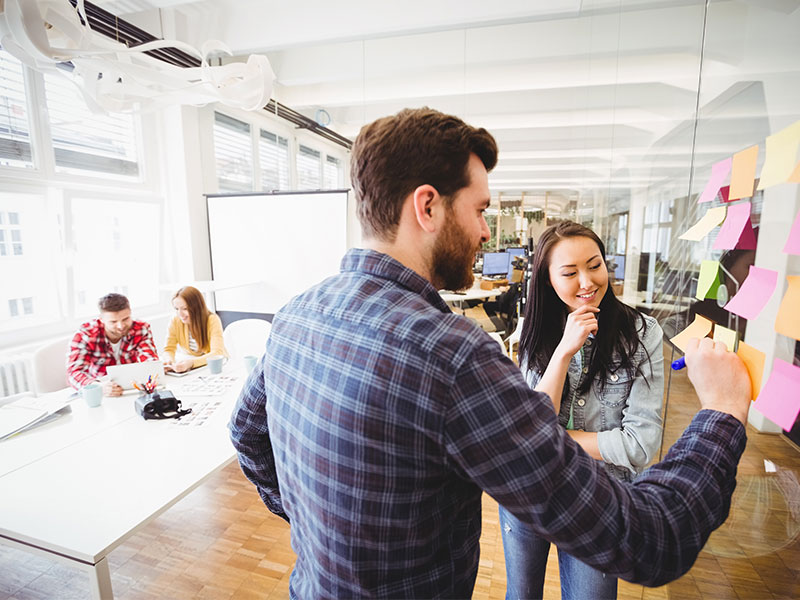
16	375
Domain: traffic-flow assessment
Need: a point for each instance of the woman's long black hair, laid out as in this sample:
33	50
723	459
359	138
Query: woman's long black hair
617	338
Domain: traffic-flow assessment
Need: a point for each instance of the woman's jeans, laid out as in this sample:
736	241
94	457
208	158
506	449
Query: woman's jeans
526	561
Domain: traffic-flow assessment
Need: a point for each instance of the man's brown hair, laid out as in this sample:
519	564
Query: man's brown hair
395	155
113	303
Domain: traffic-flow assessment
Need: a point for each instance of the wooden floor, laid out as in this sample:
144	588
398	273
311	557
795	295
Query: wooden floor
221	542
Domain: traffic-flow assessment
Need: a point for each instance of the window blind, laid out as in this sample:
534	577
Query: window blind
15	143
234	154
273	153
333	173
87	141
308	168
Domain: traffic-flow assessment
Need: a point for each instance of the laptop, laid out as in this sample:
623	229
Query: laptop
125	375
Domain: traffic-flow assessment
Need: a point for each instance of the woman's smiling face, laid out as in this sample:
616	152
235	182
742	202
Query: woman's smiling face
578	272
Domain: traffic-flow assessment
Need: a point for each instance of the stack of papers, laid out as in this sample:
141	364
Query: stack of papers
28	412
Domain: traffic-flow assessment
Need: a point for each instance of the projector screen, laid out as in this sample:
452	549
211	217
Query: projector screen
279	244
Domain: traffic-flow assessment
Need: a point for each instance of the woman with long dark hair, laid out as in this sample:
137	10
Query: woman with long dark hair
194	330
601	363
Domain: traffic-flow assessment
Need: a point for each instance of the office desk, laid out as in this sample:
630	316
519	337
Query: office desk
77	487
473	293
470	294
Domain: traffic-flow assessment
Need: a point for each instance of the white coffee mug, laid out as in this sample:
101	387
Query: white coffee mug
215	364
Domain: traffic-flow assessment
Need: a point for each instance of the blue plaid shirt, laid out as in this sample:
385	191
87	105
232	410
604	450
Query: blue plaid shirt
377	416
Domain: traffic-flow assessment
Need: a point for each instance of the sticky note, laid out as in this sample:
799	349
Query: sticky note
737	230
795	176
726	336
788	320
753	360
701	229
724	193
793	243
743	173
781	156
719	171
699	328
779	400
709	280
754	293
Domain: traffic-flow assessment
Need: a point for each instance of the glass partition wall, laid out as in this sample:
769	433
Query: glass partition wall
632	163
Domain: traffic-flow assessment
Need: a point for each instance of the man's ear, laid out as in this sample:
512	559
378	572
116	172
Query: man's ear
426	201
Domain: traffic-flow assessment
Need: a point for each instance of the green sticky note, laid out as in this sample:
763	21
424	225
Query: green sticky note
709	280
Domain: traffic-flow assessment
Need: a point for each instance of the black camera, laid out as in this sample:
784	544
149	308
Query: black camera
159	405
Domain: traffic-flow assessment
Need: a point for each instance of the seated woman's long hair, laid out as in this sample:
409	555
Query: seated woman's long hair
198	313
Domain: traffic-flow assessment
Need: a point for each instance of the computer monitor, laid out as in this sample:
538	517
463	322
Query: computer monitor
496	263
619	269
514	252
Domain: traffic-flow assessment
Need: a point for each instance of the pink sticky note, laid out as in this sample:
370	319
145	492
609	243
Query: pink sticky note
779	400
736	231
724	192
754	293
719	171
793	243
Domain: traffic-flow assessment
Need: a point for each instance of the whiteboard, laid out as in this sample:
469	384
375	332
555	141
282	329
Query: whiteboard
284	242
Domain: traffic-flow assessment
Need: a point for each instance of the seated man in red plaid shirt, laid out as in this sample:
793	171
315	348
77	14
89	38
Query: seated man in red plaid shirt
114	338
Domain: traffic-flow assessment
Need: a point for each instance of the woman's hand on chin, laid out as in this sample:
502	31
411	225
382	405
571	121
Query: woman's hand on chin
580	323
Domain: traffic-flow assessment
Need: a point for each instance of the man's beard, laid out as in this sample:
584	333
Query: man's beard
453	256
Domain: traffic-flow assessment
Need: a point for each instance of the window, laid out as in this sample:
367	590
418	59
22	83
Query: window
84	141
309	164
119	240
333	173
13	308
273	156
15	143
233	151
10	234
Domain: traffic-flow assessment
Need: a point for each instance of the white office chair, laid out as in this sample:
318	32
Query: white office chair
496	336
50	367
514	337
246	337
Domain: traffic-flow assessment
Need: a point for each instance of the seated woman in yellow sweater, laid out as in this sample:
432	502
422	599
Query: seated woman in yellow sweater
195	329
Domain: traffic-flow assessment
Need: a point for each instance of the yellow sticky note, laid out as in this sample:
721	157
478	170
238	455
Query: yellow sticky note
726	336
743	173
701	229
753	359
708	281
699	328
788	320
781	156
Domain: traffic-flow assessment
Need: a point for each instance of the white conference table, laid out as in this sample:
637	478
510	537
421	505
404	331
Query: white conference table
77	487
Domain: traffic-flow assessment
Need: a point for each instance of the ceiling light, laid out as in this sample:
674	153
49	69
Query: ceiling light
113	77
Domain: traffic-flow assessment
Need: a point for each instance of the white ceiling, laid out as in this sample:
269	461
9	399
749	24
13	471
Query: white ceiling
586	98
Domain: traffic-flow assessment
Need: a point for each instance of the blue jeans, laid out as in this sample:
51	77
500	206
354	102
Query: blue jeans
526	561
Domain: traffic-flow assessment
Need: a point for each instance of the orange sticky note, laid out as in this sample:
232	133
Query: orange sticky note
743	173
788	320
795	176
699	328
753	359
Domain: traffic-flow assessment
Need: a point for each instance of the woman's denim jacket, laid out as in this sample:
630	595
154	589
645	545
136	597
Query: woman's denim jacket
628	424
